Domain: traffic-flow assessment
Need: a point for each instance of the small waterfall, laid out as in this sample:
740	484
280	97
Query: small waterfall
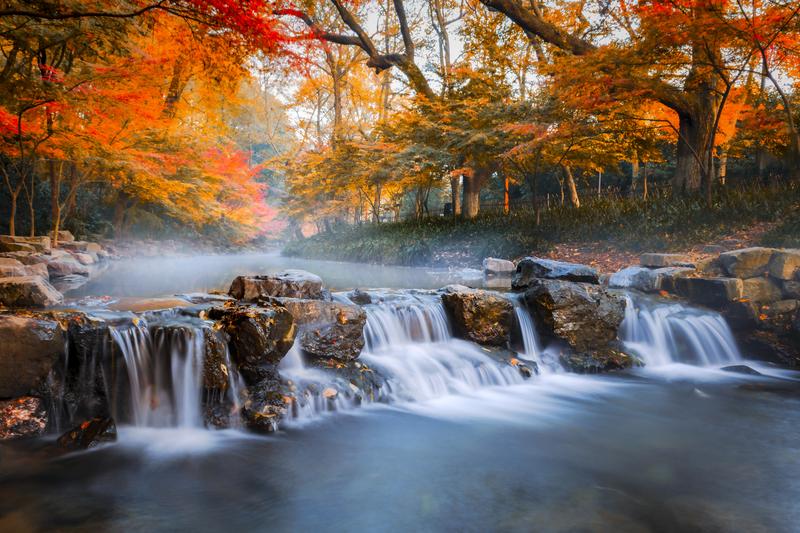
530	341
410	342
664	333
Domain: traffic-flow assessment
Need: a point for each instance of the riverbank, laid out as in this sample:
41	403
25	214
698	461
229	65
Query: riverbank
603	228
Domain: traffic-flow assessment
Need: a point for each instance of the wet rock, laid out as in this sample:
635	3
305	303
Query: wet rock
16	247
65	236
267	402
84	259
215	363
741	369
328	330
37	244
712	292
28	291
595	362
654	260
498	267
483	317
82	247
785	265
532	268
359	297
769	345
66	265
27	258
11	267
89	434
747	262
791	289
258	336
647	279
22	417
586	316
289	284
761	290
743	314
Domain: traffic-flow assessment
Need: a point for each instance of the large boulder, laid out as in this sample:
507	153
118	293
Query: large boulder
27	258
597	361
761	290
359	297
785	265
498	267
481	316
11	268
584	315
747	262
532	268
39	244
17	247
64	236
66	265
712	292
289	284
82	247
791	289
28	291
328	330
654	260
22	417
259	337
647	279
266	403
29	347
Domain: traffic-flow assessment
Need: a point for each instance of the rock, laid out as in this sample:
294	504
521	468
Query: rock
741	369
22	417
709	267
654	260
791	289
712	292
82	247
66	266
65	236
84	259
714	249
267	402
258	336
532	268
785	265
39	244
215	363
27	258
761	290
596	362
747	262
38	269
498	267
647	279
329	330
11	268
359	297
586	316
289	284
89	434
481	316
743	314
16	247
28	291
29	347
781	307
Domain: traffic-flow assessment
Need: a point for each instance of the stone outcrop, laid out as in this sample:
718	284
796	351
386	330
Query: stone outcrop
259	337
711	292
498	267
359	297
747	262
89	434
648	279
22	417
28	291
328	330
288	284
29	347
480	316
655	260
66	265
532	268
586	316
761	290
785	265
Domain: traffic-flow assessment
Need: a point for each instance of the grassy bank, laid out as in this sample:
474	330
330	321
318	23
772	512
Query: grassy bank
664	223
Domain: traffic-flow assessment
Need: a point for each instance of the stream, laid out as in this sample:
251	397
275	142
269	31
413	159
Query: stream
458	443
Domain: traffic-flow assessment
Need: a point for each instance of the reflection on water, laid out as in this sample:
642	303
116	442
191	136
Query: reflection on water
559	453
150	277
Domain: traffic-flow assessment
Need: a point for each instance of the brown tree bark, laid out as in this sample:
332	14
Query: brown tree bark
574	199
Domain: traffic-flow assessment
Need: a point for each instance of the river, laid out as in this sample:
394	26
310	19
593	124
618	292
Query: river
676	446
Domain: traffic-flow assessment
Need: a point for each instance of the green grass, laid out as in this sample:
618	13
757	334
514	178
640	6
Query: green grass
664	223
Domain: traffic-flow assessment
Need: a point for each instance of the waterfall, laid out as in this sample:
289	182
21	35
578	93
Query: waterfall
530	341
661	333
410	342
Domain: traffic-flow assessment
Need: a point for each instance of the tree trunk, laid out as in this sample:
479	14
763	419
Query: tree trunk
31	204
574	200
506	206
12	218
644	183
376	205
472	186
55	203
722	170
455	195
694	138
634	172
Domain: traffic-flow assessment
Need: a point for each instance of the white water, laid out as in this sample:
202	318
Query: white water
662	334
532	349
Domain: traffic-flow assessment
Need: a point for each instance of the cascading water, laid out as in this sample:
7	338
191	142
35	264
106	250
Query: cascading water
409	341
662	333
532	350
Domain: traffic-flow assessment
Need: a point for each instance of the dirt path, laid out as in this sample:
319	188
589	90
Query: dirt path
607	258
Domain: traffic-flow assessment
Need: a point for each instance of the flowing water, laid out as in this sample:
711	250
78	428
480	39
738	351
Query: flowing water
457	440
